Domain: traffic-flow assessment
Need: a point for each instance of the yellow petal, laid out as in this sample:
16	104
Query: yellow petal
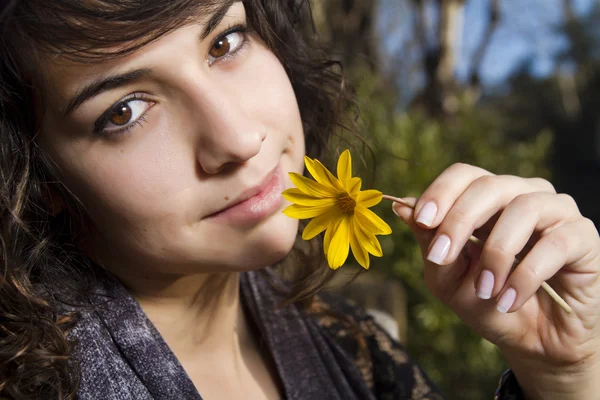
368	240
353	187
320	223
313	228
329	234
322	174
304	212
370	221
369	198
340	245
311	187
296	196
344	167
359	252
327	240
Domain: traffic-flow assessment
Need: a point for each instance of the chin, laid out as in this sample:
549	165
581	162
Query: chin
275	239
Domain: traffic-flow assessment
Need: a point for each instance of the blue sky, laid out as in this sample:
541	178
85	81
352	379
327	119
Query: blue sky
528	30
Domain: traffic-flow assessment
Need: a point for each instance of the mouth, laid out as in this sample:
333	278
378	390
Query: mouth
255	190
255	202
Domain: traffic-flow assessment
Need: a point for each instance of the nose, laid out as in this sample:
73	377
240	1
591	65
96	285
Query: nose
228	134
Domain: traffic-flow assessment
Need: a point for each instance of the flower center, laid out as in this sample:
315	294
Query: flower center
346	203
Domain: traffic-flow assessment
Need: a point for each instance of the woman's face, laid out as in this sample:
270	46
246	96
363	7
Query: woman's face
160	146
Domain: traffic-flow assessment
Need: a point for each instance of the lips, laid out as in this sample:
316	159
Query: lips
254	202
253	191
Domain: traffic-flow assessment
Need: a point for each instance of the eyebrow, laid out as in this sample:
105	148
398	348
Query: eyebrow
216	18
103	85
111	82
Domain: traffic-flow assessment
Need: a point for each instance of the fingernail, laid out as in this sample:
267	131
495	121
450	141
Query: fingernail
439	250
394	210
427	214
485	285
507	300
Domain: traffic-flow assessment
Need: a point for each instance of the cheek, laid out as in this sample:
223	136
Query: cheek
134	186
265	91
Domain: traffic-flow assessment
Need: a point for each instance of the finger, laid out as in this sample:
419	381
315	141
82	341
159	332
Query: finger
566	245
442	284
423	236
437	199
480	201
524	215
441	194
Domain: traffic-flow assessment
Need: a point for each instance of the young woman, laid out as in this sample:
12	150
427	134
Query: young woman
144	147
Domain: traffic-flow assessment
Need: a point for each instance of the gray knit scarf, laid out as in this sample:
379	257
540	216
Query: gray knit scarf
122	355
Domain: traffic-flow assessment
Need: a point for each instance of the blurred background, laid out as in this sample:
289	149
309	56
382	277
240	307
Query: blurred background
512	86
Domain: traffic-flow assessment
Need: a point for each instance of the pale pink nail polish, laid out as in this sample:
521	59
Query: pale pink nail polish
485	285
427	214
507	300
439	250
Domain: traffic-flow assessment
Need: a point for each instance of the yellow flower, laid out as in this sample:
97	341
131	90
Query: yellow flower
340	208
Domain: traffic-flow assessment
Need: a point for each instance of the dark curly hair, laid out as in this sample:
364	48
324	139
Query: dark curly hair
41	262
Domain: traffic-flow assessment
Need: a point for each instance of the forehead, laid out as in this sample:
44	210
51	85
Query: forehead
63	70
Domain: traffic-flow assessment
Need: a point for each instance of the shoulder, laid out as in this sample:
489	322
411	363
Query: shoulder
382	361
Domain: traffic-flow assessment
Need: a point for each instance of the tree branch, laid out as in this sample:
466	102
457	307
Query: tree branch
419	25
568	10
479	54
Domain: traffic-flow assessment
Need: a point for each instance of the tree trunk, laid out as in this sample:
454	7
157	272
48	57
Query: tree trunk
439	97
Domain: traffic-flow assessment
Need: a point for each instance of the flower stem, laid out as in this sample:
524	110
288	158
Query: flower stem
480	242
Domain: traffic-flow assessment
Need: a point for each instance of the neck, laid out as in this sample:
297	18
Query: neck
199	314
202	320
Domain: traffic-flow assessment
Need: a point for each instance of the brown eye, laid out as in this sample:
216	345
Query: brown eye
221	48
121	115
226	46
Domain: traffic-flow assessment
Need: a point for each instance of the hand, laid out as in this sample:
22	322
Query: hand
553	354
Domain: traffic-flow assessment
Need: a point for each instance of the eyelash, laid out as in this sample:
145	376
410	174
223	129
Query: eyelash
100	125
244	30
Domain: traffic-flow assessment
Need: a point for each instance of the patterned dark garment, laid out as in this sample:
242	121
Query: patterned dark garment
334	351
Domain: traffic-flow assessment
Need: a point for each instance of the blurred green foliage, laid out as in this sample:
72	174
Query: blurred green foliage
410	150
528	126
